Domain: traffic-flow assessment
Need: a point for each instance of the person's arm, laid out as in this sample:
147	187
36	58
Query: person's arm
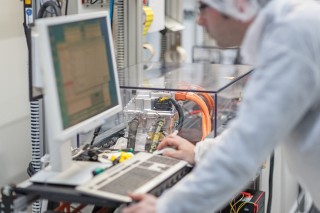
278	95
203	146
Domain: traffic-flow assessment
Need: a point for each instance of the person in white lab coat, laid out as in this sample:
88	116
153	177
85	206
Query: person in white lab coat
281	105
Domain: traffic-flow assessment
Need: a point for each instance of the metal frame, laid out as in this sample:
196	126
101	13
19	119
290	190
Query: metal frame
18	198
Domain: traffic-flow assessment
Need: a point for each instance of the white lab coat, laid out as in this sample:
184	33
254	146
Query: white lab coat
281	105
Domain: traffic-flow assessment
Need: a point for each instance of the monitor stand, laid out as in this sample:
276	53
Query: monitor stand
63	171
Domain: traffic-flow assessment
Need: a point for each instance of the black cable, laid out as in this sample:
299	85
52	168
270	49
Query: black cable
95	134
299	206
66	9
238	58
180	113
58	3
46	5
270	182
93	1
30	170
27	33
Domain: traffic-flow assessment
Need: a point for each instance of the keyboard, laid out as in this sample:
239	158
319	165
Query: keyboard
142	173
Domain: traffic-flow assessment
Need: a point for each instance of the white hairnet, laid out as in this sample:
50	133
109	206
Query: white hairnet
232	7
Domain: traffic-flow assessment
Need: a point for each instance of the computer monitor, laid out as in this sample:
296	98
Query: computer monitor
81	88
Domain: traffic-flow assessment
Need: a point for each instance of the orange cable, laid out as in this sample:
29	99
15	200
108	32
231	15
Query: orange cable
204	108
205	95
209	100
206	121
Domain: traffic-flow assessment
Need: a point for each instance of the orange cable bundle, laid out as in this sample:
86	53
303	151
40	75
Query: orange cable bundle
204	94
206	121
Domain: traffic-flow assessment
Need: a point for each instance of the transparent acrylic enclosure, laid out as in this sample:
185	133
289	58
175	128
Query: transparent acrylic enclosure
152	91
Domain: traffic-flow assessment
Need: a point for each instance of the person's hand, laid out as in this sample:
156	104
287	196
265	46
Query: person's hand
184	149
147	204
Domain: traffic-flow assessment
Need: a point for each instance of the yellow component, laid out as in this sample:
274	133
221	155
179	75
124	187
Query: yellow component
27	1
121	160
122	157
125	156
164	98
113	157
148	19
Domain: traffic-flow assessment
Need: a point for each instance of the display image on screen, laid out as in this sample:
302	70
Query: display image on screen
83	69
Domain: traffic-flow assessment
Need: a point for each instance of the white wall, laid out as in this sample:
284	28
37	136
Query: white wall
15	146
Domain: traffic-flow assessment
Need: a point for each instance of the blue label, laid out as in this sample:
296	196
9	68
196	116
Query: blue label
29	12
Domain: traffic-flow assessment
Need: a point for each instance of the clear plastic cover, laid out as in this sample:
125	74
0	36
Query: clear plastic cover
219	86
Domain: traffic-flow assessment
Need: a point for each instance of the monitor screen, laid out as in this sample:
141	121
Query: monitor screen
83	69
81	88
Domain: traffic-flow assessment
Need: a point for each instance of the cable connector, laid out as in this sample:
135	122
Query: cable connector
162	104
181	96
246	194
